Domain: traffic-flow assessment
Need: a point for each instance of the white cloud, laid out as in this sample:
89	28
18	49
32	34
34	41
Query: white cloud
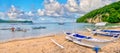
72	6
12	12
88	5
30	13
40	12
52	8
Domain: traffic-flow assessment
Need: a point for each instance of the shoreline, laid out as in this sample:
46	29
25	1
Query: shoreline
28	38
40	45
45	45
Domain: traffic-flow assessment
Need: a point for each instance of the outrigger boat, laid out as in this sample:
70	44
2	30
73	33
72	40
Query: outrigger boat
20	29
61	23
101	24
13	29
111	33
40	27
86	40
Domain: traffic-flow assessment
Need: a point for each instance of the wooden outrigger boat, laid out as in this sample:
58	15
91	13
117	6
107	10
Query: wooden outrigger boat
86	40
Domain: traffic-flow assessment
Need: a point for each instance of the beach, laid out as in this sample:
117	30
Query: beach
60	26
42	45
45	45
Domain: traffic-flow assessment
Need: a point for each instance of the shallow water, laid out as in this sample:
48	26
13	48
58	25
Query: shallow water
51	28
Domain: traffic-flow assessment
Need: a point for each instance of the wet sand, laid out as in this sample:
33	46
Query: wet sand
45	45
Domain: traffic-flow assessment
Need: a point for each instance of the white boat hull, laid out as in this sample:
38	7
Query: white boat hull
85	42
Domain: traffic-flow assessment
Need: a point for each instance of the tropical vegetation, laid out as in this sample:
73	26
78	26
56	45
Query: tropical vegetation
109	13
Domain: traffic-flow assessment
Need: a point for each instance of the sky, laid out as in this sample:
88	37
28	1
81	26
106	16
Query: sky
26	5
71	9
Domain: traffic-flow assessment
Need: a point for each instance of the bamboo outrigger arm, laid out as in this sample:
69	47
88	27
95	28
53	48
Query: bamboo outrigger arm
57	43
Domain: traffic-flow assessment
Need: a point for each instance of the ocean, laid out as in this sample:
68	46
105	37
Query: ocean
50	28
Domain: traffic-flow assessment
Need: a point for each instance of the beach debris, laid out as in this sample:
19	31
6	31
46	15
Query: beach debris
57	43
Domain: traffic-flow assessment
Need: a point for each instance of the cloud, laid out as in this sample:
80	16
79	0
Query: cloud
72	6
40	12
30	13
88	5
52	8
49	9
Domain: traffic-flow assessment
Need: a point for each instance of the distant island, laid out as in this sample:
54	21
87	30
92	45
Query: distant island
14	21
109	13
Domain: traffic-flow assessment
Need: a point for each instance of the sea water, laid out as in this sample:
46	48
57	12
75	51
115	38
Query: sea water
51	28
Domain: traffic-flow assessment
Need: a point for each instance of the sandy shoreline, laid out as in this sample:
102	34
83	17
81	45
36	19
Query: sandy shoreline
45	45
41	45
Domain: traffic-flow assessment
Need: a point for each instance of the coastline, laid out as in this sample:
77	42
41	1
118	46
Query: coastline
40	45
28	38
45	45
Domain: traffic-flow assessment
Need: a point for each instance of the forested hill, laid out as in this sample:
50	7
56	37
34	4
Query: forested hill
14	21
109	13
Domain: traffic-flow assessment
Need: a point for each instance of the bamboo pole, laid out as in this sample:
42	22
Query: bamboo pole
57	43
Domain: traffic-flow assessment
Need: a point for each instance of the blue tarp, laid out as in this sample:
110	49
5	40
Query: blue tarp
105	34
77	35
112	31
80	36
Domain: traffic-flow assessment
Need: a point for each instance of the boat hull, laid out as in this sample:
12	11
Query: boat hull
87	43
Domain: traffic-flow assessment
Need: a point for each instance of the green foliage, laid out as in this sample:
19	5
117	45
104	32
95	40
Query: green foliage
114	18
113	10
104	18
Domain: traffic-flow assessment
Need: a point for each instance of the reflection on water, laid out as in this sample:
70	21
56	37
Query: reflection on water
51	28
